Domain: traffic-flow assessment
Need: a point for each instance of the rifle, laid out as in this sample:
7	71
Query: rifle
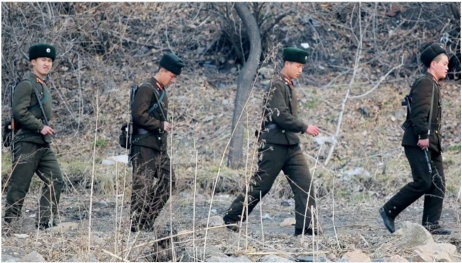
133	90
429	128
12	127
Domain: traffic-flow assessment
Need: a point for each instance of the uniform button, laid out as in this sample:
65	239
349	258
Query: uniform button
158	138
283	131
389	211
394	207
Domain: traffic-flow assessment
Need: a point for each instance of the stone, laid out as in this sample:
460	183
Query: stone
116	159
9	258
414	235
265	83
214	221
64	227
439	252
397	258
33	256
101	203
21	235
318	258
356	256
332	257
228	259
288	222
286	203
272	258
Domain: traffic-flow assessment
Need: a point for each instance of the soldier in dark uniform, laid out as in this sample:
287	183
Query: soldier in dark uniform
280	149
152	175
422	146
32	152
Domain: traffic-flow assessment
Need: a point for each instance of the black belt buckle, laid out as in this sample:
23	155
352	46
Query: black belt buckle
161	131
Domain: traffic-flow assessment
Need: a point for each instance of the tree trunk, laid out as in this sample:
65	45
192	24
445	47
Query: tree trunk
244	84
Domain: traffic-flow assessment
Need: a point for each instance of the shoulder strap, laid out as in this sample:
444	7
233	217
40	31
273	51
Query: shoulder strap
159	100
288	91
44	116
42	100
431	108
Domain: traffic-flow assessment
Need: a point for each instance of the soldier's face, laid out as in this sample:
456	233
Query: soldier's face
42	66
294	69
440	66
167	77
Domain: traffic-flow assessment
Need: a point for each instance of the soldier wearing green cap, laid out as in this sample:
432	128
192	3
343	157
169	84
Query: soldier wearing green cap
32	152
152	175
422	146
280	149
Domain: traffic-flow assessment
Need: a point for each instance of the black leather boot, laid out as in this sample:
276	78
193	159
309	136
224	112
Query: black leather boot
389	222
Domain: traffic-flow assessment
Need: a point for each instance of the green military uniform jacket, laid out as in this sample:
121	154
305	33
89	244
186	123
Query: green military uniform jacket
146	96
281	108
26	110
421	94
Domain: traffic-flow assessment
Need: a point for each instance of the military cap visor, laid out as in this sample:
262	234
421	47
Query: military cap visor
172	63
430	53
42	51
295	55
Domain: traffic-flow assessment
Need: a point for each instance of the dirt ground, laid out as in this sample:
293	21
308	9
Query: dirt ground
345	225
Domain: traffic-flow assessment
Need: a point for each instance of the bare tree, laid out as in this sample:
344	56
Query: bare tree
244	83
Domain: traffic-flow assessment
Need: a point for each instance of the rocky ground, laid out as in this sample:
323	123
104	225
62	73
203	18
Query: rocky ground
349	232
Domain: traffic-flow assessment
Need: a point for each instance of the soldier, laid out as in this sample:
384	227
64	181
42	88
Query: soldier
422	146
32	152
151	162
280	149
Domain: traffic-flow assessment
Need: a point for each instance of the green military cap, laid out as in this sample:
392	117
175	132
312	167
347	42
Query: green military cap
172	63
430	53
42	50
295	55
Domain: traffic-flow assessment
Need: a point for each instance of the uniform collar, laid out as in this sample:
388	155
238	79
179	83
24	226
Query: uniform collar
157	84
37	78
433	78
286	79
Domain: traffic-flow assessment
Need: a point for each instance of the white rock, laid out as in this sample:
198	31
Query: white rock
64	227
114	159
288	222
321	140
397	258
271	258
439	252
356	256
415	235
228	259
33	256
21	235
305	45
9	258
214	221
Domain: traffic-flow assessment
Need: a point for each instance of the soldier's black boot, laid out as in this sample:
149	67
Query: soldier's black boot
437	229
308	231
231	224
389	222
43	226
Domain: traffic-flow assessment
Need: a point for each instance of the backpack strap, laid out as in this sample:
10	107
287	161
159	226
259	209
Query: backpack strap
42	100
159	98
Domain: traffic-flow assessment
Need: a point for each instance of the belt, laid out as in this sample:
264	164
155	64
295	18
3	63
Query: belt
144	131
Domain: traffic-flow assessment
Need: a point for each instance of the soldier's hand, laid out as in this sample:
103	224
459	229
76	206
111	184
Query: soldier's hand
423	143
167	126
47	130
312	130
